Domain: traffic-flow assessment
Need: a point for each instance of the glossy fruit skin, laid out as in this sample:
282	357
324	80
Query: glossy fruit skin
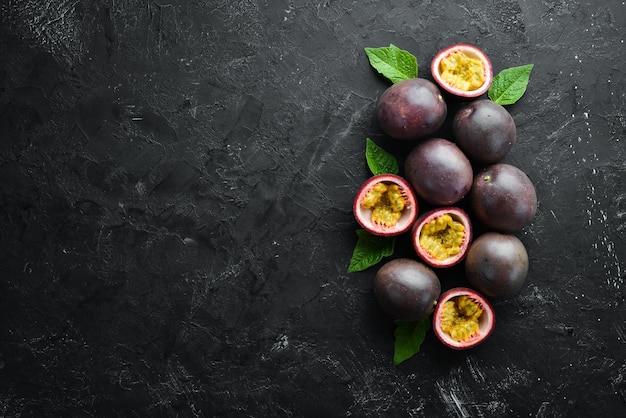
406	289
487	324
484	130
503	198
408	218
497	264
411	109
460	216
439	172
472	51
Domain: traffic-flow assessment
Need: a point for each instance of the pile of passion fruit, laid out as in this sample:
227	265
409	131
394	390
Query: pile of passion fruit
466	171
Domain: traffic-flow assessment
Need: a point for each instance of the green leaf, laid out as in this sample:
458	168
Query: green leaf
510	84
409	337
393	63
369	250
378	160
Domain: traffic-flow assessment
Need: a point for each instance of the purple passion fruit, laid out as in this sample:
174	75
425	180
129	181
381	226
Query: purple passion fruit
439	172
406	289
442	236
385	205
497	264
462	70
503	198
411	109
484	130
463	318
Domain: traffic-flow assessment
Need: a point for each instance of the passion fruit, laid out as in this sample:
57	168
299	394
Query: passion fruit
385	205
439	172
484	130
463	70
411	109
503	197
497	264
406	289
463	318
442	236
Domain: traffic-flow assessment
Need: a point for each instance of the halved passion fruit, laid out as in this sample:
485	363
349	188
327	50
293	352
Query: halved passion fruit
442	236
385	205
463	70
463	318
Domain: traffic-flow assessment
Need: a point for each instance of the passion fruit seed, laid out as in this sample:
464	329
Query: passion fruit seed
374	195
462	71
387	202
442	237
460	318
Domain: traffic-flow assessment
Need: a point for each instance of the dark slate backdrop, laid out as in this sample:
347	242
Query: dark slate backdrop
177	180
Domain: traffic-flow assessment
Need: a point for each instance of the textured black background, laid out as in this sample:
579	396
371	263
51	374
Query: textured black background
176	188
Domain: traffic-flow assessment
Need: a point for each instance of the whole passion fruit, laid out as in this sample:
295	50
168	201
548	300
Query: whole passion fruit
503	197
484	130
497	264
463	70
385	205
406	289
442	236
463	318
439	172
411	109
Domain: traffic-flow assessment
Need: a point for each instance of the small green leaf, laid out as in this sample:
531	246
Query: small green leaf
369	250
378	160
510	84
409	337
392	62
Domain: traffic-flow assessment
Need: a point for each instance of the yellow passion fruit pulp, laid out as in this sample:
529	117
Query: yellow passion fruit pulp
462	71
442	237
385	205
460	318
387	202
463	318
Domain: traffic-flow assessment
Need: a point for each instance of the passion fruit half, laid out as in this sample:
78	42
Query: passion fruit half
406	289
463	318
463	70
442	236
385	205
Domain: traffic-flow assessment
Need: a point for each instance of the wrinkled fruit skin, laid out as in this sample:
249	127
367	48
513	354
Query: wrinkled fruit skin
497	264
406	289
484	130
439	172
411	109
503	198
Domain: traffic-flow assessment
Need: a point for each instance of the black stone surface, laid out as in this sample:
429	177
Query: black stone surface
176	188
